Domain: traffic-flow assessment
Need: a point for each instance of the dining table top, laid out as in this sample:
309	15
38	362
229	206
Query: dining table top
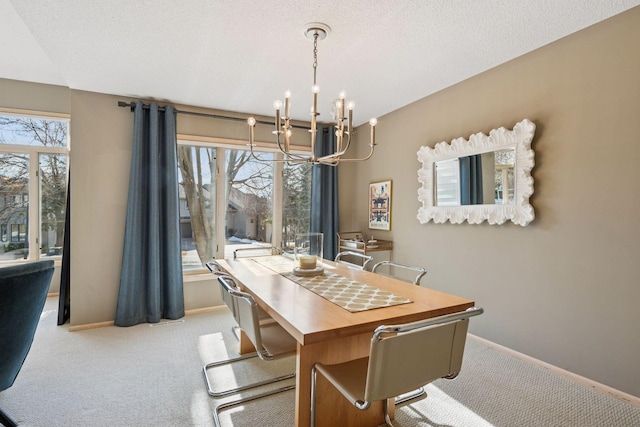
311	318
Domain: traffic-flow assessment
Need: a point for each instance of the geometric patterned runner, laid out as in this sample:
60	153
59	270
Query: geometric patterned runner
349	294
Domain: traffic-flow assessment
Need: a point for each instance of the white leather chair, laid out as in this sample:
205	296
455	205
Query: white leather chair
401	358
270	340
345	257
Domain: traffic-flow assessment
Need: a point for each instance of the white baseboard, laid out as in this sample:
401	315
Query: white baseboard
633	400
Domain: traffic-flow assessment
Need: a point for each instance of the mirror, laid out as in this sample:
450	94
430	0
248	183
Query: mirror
487	178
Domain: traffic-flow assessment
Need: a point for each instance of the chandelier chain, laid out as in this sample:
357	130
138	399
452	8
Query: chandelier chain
315	56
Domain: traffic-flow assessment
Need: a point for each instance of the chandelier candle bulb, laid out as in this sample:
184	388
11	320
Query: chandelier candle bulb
287	103
342	95
277	104
350	121
373	123
315	90
251	122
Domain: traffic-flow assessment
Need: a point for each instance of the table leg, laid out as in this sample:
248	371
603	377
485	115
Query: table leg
245	345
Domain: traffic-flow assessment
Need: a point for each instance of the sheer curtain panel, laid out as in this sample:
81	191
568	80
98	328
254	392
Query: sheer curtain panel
151	275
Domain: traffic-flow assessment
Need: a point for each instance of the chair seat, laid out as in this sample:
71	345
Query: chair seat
348	377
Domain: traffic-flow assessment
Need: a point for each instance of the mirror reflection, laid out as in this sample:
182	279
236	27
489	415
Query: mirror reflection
480	179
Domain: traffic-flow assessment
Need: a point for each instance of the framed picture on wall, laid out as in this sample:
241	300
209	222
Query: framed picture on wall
380	205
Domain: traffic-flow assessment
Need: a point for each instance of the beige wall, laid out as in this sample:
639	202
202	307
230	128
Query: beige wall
566	288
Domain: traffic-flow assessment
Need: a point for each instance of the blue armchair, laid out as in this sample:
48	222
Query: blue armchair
23	292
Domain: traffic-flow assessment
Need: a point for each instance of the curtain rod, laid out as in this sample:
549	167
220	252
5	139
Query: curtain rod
132	105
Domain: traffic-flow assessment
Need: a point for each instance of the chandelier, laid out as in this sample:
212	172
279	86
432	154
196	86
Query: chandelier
283	129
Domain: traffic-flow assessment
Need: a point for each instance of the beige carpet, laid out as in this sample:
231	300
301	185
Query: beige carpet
151	376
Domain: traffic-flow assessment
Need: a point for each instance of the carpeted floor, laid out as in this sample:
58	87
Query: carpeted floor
152	376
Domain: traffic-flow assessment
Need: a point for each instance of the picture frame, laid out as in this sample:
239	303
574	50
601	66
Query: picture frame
380	205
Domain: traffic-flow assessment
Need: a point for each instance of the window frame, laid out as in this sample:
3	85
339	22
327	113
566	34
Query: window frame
34	152
223	144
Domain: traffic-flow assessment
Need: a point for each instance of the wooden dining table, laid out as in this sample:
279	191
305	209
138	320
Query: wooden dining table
328	333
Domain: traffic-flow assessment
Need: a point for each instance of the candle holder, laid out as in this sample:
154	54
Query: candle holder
308	253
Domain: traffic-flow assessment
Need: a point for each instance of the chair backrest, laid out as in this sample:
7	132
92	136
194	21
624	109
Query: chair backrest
400	271
405	357
226	285
345	257
246	315
257	251
23	292
215	268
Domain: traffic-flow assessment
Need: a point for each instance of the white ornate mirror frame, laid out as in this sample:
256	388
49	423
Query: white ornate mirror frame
520	212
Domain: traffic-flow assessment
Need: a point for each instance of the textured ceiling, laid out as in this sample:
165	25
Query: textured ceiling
241	55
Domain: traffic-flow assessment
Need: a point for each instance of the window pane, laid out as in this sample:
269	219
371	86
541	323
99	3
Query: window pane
249	196
447	182
14	206
296	202
196	174
33	131
53	203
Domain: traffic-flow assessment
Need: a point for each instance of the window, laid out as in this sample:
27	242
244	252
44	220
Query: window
296	203
230	200
448	183
197	194
33	186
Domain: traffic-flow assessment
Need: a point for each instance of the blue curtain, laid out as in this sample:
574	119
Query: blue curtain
64	298
471	180
324	194
151	276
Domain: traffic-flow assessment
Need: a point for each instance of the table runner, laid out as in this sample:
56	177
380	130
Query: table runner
349	294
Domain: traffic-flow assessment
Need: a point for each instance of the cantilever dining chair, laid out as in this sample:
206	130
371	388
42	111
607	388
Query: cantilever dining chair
344	257
401	358
270	340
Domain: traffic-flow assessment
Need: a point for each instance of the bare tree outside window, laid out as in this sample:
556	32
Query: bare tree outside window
296	209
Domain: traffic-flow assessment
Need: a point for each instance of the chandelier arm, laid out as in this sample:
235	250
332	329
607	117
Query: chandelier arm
337	154
361	159
280	144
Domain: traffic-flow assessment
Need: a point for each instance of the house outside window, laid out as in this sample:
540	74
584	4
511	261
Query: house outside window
34	152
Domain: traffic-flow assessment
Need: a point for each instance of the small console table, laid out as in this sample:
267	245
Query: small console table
354	241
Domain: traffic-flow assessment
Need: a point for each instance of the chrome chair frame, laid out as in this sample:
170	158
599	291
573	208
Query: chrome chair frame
376	356
246	315
421	271
365	259
274	250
